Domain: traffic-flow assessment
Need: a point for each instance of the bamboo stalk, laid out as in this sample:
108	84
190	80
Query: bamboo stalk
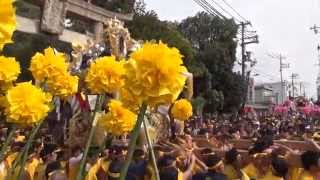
153	157
7	142
27	147
133	140
89	141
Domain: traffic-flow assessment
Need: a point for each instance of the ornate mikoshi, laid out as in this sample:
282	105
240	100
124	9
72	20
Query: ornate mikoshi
119	38
118	42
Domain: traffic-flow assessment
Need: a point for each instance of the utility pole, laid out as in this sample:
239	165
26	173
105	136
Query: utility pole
246	40
293	77
243	50
300	87
251	40
282	66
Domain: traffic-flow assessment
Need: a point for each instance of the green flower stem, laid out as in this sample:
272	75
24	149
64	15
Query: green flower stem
133	140
6	143
89	141
153	157
27	147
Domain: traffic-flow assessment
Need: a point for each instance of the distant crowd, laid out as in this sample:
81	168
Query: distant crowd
197	150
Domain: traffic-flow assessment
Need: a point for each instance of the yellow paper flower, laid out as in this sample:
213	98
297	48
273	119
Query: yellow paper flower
155	74
9	70
105	75
119	120
27	104
129	100
47	65
182	110
7	22
63	85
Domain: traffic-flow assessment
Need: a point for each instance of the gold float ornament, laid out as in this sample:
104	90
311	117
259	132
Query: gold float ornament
9	70
48	65
155	74
7	22
27	104
119	120
105	75
182	110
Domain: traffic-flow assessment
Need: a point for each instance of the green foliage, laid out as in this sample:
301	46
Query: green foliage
213	40
26	45
198	104
121	6
146	26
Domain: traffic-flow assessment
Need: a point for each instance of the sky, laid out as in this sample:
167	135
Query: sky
283	27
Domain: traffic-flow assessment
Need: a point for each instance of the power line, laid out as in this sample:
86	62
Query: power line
213	9
223	9
229	5
207	9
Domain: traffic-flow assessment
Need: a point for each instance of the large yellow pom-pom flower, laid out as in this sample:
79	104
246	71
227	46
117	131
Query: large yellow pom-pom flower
9	69
7	22
63	85
119	120
155	74
105	75
129	100
182	110
48	64
27	104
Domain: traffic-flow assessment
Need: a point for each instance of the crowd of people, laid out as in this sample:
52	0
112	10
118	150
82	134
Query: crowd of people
197	150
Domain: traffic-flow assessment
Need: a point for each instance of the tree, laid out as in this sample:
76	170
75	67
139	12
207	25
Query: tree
215	45
147	26
122	6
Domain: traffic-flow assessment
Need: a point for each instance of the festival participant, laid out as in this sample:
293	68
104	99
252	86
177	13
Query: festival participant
215	169
104	162
54	171
137	168
233	166
310	161
92	165
47	156
259	160
115	169
74	162
170	171
278	170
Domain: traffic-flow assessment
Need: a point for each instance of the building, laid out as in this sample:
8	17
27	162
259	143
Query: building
263	95
280	93
251	92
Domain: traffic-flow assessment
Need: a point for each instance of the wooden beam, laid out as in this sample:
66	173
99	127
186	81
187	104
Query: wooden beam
93	12
32	26
244	144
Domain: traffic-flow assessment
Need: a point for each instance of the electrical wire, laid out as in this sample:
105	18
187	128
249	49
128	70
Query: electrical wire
213	9
224	10
229	5
207	9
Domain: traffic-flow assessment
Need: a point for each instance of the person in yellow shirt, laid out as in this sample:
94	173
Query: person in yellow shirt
31	165
93	165
54	171
278	170
168	168
232	166
311	164
215	169
47	156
